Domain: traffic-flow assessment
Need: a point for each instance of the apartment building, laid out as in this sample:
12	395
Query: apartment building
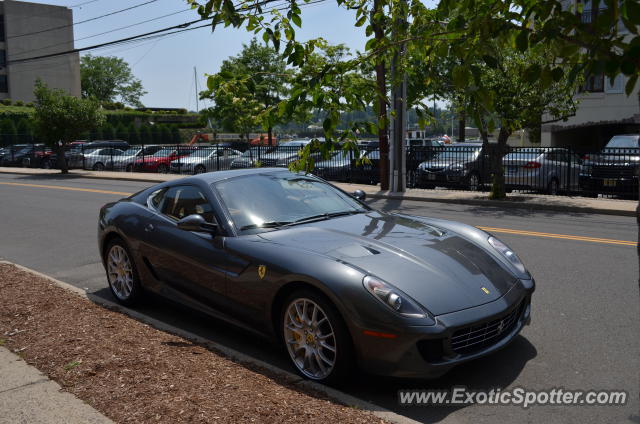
604	109
30	30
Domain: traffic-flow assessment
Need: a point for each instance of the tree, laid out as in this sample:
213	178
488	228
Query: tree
176	138
109	78
108	131
145	134
60	118
258	75
7	132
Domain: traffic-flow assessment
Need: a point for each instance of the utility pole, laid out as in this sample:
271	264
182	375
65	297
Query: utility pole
195	77
398	149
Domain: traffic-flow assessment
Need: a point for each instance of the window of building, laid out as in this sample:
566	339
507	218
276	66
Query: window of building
2	28
617	87
594	83
3	58
4	84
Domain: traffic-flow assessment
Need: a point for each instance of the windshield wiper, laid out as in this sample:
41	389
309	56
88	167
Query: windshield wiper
270	224
324	216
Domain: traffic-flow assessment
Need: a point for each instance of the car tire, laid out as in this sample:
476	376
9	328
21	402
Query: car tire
129	168
473	182
163	169
200	169
330	362
98	166
46	164
553	187
122	274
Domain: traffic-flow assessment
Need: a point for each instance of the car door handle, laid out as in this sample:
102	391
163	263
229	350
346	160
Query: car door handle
148	227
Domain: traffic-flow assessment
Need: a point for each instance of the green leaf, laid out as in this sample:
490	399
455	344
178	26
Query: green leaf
631	84
491	61
327	124
557	74
296	20
361	21
460	76
522	40
371	44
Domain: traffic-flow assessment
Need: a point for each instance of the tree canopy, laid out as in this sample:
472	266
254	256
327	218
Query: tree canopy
108	79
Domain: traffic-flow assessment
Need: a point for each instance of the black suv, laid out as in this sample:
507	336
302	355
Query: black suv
615	169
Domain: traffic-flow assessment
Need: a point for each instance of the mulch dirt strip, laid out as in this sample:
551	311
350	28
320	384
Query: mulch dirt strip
132	372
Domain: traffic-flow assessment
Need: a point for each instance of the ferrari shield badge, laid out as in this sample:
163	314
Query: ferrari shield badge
262	271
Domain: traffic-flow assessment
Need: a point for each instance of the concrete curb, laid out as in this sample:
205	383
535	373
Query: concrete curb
233	354
501	204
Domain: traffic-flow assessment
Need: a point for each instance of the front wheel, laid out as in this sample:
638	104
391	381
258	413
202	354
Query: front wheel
316	337
553	187
129	168
200	169
122	274
473	181
163	169
98	166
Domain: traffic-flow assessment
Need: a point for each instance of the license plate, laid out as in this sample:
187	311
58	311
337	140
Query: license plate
431	177
609	182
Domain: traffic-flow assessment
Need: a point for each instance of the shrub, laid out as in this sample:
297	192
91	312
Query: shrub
6	102
19	103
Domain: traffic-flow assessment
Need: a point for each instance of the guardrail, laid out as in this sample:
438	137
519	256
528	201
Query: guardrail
611	172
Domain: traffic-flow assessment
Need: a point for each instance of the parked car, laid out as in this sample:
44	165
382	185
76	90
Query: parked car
160	161
101	159
337	167
248	158
15	155
456	165
416	154
285	153
615	169
206	160
543	169
339	284
127	160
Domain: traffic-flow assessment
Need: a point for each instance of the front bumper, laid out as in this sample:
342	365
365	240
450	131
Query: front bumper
442	178
428	351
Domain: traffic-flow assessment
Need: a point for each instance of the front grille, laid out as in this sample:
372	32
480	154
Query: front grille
613	171
471	339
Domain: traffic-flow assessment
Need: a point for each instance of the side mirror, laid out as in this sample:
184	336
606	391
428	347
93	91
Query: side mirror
360	195
196	222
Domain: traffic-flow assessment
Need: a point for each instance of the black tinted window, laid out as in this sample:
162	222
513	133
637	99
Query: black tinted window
183	201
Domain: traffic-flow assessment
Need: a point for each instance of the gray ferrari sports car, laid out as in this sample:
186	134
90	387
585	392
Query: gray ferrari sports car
337	282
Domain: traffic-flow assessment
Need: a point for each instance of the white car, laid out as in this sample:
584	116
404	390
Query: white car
101	159
205	160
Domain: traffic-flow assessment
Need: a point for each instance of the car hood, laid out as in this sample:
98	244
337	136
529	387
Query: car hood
439	268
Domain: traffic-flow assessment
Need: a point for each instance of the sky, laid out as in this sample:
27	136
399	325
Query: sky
166	66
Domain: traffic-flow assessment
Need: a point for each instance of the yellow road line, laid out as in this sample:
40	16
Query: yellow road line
559	236
90	190
490	229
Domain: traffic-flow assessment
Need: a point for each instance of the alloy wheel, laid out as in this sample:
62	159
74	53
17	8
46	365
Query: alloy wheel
310	339
474	182
120	272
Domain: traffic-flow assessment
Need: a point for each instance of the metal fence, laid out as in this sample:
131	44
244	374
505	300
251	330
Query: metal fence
611	172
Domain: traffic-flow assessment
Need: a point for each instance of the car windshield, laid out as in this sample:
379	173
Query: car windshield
459	153
277	199
624	142
163	153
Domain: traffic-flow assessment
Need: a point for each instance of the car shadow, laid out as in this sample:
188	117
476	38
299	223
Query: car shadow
498	370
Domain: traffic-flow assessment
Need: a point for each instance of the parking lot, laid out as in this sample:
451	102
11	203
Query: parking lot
585	309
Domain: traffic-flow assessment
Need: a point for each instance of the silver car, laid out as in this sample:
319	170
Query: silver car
205	160
550	170
101	159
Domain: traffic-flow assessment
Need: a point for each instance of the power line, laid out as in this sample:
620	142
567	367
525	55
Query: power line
105	32
147	36
85	21
83	3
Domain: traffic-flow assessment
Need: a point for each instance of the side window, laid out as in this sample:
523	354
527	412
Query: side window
183	201
155	199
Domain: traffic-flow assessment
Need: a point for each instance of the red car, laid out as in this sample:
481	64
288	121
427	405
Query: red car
160	161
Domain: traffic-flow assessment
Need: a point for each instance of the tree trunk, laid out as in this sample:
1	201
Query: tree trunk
61	159
496	153
462	123
270	135
381	82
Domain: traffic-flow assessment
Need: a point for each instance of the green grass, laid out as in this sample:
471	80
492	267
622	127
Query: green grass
2	342
71	365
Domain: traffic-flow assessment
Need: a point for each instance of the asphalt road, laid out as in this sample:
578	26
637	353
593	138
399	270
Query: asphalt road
584	333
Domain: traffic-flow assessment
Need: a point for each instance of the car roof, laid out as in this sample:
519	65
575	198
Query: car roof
474	144
212	177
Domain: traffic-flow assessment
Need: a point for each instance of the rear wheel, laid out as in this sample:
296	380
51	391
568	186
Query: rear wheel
98	166
553	187
473	181
200	169
122	274
163	169
129	168
316	338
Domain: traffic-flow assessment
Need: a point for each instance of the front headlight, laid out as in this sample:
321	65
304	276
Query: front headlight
509	254
393	298
456	167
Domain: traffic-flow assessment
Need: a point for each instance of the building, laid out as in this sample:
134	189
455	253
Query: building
604	109
29	30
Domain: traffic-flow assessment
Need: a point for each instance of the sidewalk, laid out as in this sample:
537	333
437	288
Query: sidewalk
27	396
575	204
